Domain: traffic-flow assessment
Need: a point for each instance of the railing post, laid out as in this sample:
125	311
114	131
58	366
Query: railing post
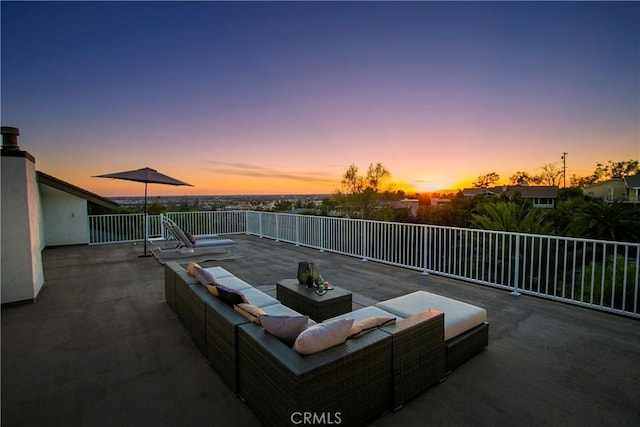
322	245
146	227
426	248
516	271
277	228
297	230
364	241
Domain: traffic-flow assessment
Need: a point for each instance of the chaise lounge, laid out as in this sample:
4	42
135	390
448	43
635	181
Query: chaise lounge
190	244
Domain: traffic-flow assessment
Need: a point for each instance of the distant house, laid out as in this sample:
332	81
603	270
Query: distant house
632	183
611	190
626	189
436	201
412	204
475	191
541	196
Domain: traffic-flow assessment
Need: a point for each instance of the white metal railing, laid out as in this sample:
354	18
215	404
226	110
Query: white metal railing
122	228
591	273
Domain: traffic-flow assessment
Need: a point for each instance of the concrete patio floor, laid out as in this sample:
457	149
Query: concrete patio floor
100	347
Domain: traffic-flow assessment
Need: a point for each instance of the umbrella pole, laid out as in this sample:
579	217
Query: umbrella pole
145	222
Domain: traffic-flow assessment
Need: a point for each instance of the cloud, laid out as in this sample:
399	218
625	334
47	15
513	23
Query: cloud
260	171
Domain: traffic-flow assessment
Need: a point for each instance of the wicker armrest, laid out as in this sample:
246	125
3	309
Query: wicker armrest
174	274
211	323
221	334
419	355
170	284
350	383
190	309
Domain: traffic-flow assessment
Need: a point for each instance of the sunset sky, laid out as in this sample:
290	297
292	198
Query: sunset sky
281	97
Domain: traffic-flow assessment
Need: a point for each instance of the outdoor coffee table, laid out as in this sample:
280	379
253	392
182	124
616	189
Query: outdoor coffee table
306	301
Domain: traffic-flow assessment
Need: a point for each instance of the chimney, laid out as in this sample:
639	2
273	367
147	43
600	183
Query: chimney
10	138
21	272
10	146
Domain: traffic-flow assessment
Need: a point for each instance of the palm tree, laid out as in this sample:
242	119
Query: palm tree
508	216
599	220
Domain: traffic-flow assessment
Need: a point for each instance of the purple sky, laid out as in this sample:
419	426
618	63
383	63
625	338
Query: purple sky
281	97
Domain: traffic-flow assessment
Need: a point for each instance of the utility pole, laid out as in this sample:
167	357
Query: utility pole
564	169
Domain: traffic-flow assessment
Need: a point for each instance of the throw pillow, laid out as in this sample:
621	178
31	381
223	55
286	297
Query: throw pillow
286	328
230	296
363	326
204	277
323	336
250	311
191	268
213	290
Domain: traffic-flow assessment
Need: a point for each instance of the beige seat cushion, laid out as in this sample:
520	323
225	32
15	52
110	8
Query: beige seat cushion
280	310
218	272
459	316
233	282
365	313
258	298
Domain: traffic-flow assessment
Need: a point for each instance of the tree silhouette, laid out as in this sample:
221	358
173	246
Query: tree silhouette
362	193
156	208
616	169
607	171
520	178
484	181
550	175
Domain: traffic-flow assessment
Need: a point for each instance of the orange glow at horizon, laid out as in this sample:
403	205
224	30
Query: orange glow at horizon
247	185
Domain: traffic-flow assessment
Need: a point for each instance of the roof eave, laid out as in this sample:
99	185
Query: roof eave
58	184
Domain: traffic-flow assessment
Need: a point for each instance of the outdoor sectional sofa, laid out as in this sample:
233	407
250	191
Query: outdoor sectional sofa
349	384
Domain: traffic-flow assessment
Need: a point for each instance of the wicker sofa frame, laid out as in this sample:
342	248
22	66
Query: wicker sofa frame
211	323
463	347
418	355
352	383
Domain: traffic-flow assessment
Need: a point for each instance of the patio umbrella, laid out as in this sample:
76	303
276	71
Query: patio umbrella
146	175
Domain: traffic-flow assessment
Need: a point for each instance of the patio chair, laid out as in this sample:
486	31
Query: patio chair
169	221
185	246
186	242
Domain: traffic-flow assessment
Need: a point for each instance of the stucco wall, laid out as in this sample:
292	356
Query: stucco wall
65	217
22	243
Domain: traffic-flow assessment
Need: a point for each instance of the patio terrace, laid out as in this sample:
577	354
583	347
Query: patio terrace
101	347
